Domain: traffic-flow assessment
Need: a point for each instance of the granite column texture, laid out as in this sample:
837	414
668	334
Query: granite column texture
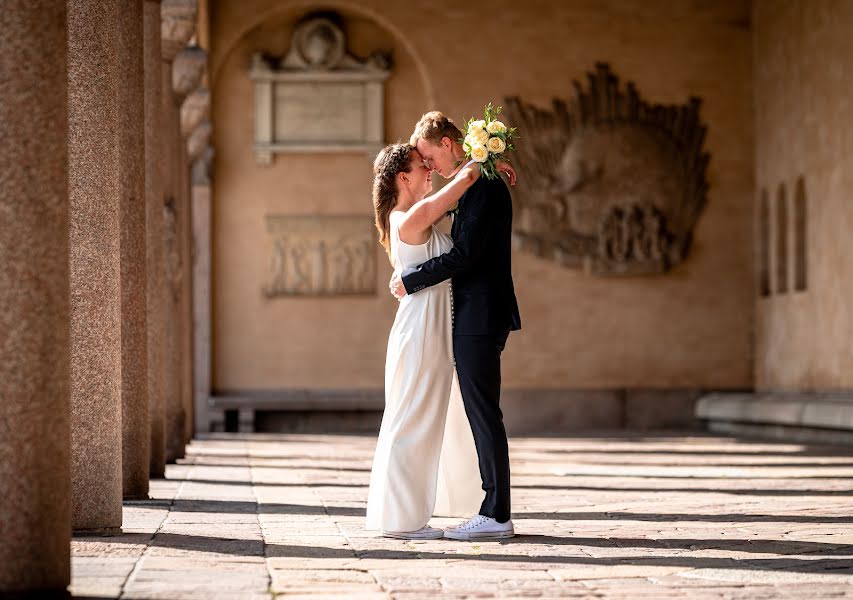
35	485
156	290
201	198
187	73
95	266
136	438
171	163
188	347
178	26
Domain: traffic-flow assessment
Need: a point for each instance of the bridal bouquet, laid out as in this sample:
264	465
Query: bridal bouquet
487	139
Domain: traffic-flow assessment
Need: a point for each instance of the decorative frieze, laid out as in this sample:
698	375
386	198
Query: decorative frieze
321	256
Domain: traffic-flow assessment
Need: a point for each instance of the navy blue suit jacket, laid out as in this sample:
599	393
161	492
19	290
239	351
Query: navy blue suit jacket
480	263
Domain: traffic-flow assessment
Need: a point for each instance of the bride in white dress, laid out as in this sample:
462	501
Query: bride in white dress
425	461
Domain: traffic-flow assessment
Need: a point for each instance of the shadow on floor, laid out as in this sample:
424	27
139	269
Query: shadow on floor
790	559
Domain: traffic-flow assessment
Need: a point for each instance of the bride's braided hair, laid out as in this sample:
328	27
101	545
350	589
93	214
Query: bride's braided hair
391	160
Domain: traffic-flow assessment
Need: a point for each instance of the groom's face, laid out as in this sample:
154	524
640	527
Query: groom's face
438	157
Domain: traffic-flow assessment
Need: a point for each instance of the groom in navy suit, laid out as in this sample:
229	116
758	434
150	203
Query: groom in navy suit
485	311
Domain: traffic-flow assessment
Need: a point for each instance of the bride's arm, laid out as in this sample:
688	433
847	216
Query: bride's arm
422	215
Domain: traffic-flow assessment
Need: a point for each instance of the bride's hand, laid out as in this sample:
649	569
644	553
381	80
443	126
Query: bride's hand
506	169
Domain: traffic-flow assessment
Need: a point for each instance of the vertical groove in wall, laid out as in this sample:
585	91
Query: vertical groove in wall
800	236
782	240
764	244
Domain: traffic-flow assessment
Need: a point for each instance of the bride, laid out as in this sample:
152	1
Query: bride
425	461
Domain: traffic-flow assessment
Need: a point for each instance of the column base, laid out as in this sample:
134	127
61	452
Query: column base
132	497
37	595
101	532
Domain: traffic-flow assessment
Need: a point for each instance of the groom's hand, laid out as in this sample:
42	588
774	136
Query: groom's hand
398	290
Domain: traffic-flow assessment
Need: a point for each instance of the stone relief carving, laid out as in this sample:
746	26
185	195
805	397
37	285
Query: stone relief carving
609	183
199	140
177	25
187	71
202	167
318	97
172	254
194	110
321	256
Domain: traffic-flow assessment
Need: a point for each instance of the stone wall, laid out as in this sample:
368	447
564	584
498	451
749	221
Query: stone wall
804	149
690	328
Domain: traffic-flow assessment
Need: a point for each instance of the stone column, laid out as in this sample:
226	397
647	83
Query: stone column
197	129
187	72
173	383
178	26
95	268
155	295
136	438
35	485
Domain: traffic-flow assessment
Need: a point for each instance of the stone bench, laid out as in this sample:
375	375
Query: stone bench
798	416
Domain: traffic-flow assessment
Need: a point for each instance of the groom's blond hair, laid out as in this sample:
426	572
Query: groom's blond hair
433	126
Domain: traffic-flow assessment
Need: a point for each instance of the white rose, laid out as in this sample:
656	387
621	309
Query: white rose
496	127
477	125
479	153
478	137
496	145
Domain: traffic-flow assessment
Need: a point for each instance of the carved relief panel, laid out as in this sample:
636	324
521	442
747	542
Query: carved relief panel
321	256
318	97
609	183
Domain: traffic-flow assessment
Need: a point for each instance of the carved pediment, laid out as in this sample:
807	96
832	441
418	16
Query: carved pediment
609	183
318	97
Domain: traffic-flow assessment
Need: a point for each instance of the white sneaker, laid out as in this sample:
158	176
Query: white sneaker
479	527
424	533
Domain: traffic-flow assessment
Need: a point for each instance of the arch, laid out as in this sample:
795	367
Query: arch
800	236
308	5
764	244
782	240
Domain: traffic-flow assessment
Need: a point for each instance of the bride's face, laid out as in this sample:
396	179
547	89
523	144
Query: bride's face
420	176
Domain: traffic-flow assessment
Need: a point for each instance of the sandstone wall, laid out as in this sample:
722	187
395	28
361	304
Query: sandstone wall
688	329
804	111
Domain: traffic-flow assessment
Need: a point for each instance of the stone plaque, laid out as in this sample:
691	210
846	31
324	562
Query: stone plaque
314	112
609	183
321	256
318	97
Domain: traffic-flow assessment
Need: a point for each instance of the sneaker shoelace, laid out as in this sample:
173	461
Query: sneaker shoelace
474	522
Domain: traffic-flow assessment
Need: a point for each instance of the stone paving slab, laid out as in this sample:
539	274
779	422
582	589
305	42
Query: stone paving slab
263	516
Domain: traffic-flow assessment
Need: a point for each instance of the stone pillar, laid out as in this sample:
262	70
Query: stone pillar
197	129
202	313
136	438
35	485
178	26
187	72
95	268
155	294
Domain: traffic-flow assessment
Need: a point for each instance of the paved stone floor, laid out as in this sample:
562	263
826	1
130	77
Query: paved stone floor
261	516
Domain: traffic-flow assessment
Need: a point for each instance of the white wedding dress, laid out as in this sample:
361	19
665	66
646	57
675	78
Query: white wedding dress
425	461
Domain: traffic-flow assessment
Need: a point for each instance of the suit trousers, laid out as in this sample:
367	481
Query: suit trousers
478	367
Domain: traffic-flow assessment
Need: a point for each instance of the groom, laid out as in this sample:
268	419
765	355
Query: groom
485	311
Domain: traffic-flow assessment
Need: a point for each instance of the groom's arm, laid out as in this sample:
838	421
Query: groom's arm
474	230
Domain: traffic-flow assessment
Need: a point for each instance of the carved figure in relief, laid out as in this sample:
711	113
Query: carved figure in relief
321	256
612	184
